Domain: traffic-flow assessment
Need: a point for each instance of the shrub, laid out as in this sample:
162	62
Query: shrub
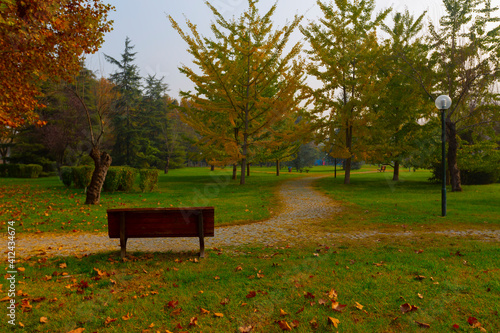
66	175
148	179
127	179
3	170
82	175
31	171
112	179
467	177
15	170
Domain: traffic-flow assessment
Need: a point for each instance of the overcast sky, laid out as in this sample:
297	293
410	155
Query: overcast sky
161	51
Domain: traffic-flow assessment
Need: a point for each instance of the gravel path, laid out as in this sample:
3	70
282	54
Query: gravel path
300	204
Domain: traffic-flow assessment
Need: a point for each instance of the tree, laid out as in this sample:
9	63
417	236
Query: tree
465	57
41	40
343	54
246	83
97	112
403	101
126	107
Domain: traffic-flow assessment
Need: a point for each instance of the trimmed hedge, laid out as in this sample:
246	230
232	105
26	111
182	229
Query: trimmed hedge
119	178
112	179
148	179
20	170
67	175
127	179
82	175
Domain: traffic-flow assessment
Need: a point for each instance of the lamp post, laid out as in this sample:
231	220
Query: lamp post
443	103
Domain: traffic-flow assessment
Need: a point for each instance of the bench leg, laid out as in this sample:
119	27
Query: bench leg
123	238
201	234
123	246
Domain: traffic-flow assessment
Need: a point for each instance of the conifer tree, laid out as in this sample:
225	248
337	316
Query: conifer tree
238	68
127	82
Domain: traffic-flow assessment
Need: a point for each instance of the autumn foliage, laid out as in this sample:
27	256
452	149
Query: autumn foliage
41	40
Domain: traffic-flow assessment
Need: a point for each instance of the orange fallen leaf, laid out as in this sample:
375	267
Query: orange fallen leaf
284	325
283	313
127	316
333	321
78	330
219	315
44	320
359	306
193	321
332	294
336	306
203	311
21	269
420	296
63	265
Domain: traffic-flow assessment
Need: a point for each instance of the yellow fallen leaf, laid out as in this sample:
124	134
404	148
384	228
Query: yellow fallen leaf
44	320
359	306
21	269
282	313
335	322
63	265
78	330
332	294
420	296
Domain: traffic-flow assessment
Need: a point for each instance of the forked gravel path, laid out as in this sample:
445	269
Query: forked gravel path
300	204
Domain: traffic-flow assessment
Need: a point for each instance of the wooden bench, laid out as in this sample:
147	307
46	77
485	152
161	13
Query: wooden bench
382	169
161	222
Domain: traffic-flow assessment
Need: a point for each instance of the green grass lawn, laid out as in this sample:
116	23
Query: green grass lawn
45	205
373	200
447	280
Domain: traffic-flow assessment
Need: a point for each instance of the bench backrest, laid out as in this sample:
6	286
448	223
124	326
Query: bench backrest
160	222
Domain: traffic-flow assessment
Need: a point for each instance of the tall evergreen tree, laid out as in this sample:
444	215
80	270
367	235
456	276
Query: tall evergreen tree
128	84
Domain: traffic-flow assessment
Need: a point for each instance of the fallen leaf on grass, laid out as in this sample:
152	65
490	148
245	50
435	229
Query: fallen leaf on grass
420	277
203	311
193	321
247	329
359	306
225	301
299	310
455	326
109	320
314	324
332	294
420	296
173	304
333	321
78	330
21	269
309	295
251	294
283	313
44	320
336	306
423	324
63	265
127	316
218	315
407	308
284	325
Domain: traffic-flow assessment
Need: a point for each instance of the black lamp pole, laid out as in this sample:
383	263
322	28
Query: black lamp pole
443	162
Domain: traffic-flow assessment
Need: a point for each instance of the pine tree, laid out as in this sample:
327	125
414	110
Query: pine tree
127	82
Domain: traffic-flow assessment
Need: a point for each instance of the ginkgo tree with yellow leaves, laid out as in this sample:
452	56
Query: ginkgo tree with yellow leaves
246	80
343	57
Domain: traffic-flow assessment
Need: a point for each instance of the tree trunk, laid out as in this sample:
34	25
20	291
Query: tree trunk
453	170
347	177
167	165
235	170
248	169
212	167
396	171
102	161
277	167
